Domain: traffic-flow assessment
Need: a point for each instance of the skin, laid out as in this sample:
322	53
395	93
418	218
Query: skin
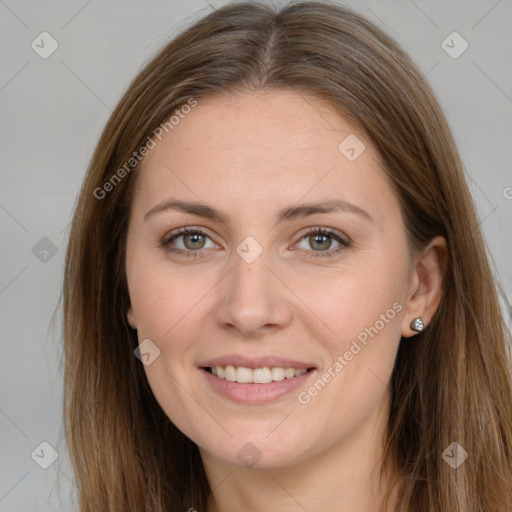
250	156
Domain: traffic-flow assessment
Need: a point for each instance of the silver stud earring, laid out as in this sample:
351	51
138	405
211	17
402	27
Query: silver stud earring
417	324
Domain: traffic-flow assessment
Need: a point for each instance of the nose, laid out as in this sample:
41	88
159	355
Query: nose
251	299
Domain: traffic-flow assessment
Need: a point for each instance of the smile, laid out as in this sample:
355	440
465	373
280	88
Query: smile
254	386
263	375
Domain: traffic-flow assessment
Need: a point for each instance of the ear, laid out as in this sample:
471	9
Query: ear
426	284
131	318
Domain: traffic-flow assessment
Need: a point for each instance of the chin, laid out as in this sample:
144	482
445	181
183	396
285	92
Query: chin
258	452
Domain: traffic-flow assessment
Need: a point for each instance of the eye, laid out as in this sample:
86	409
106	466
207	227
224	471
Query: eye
189	242
192	241
320	240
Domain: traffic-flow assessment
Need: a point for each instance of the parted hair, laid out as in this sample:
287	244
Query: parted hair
452	384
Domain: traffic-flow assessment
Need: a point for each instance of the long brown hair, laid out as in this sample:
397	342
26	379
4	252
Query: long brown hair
451	384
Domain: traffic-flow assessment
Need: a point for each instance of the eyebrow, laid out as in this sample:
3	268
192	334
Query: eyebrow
286	214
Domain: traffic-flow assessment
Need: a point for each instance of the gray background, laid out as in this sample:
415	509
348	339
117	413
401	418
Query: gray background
52	112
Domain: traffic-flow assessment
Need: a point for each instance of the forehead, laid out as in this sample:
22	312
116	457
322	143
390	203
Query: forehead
248	150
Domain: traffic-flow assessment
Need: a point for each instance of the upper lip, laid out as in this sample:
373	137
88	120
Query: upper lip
255	362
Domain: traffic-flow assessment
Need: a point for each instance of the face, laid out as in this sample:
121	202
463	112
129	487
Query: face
266	283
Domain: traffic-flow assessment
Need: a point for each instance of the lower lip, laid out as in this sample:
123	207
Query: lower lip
255	394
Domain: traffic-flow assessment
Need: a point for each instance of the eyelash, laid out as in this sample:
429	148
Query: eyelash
344	244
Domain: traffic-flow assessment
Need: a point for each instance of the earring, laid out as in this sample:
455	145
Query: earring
417	324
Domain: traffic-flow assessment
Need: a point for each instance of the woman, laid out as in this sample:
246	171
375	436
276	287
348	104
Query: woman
277	295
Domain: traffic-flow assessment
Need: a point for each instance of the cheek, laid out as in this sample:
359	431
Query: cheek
362	308
358	296
168	309
165	300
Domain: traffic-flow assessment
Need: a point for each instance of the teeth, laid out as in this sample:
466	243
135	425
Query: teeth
264	375
289	373
277	374
230	373
243	375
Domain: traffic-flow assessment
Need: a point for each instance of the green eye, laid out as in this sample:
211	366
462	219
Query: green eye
194	239
322	239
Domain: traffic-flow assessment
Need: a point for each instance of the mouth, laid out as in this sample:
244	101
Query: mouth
257	385
263	375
